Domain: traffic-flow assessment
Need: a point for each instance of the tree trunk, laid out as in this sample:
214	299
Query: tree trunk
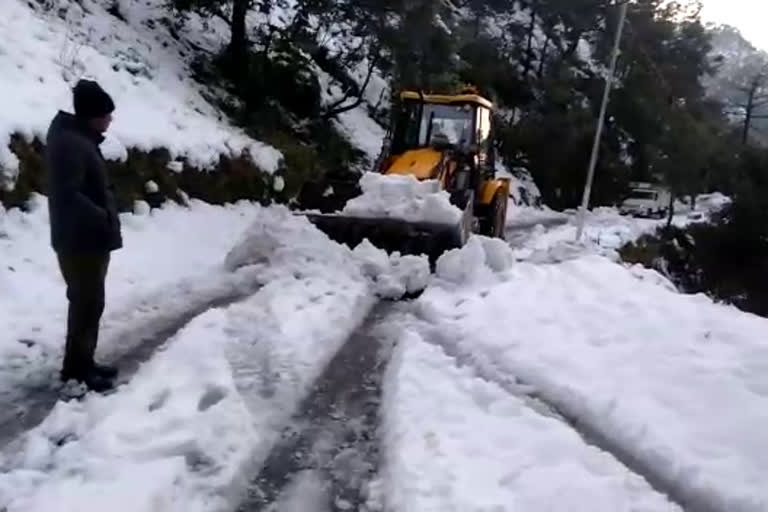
238	44
749	112
671	211
529	47
543	58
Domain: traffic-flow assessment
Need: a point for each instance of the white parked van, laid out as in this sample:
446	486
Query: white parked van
646	200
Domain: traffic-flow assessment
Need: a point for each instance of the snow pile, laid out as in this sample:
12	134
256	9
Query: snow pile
523	189
163	271
143	68
277	237
638	367
712	202
393	275
454	441
402	197
282	241
477	261
528	216
207	409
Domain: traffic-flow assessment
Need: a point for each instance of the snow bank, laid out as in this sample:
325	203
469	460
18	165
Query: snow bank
143	68
605	229
454	441
677	382
207	409
403	197
163	271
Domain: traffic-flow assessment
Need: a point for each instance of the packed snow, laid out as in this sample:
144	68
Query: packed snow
207	408
455	441
403	197
145	70
671	383
162	271
394	275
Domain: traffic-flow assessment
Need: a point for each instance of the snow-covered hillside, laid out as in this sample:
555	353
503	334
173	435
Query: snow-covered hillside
144	68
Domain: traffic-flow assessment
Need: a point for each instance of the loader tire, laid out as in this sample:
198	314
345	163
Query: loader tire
496	220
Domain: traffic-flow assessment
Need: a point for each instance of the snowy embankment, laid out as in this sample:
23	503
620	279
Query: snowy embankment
674	385
144	69
204	412
162	272
605	229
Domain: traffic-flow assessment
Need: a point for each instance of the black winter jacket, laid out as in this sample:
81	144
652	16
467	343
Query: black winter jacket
81	202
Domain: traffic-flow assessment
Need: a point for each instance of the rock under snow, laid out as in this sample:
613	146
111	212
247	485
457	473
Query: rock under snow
402	197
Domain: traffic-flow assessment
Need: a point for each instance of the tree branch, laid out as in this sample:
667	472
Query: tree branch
218	13
338	106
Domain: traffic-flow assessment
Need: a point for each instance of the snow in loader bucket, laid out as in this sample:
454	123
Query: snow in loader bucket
391	234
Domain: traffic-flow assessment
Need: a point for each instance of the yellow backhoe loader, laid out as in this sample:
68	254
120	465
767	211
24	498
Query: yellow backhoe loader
442	137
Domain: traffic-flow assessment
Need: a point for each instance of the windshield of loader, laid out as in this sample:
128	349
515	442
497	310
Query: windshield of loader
446	124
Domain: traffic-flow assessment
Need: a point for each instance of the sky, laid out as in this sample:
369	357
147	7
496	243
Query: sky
749	16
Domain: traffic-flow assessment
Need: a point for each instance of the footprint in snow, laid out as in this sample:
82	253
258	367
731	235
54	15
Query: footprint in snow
212	396
160	400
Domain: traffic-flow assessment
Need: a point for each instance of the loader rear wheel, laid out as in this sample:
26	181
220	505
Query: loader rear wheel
495	222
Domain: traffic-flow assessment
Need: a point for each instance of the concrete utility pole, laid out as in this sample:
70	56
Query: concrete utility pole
601	122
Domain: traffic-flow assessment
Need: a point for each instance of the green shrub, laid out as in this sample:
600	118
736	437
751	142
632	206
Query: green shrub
231	180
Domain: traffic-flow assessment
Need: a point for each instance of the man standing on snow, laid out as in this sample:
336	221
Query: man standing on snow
85	227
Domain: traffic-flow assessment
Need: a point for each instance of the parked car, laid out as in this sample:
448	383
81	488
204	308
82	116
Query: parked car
646	200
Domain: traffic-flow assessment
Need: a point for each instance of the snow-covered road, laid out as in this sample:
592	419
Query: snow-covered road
541	377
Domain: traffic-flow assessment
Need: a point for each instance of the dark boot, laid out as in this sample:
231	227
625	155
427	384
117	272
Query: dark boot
106	371
92	380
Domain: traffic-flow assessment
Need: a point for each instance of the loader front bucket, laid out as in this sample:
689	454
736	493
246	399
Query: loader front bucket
430	239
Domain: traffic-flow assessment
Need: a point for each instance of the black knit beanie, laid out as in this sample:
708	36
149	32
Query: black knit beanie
91	101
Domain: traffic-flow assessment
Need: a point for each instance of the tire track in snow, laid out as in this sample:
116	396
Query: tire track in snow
25	407
546	404
332	440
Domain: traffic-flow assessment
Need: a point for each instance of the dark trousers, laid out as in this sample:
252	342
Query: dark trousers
85	274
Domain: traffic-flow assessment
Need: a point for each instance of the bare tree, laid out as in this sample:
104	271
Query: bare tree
756	95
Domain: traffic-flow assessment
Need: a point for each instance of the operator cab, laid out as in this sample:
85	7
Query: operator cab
460	123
